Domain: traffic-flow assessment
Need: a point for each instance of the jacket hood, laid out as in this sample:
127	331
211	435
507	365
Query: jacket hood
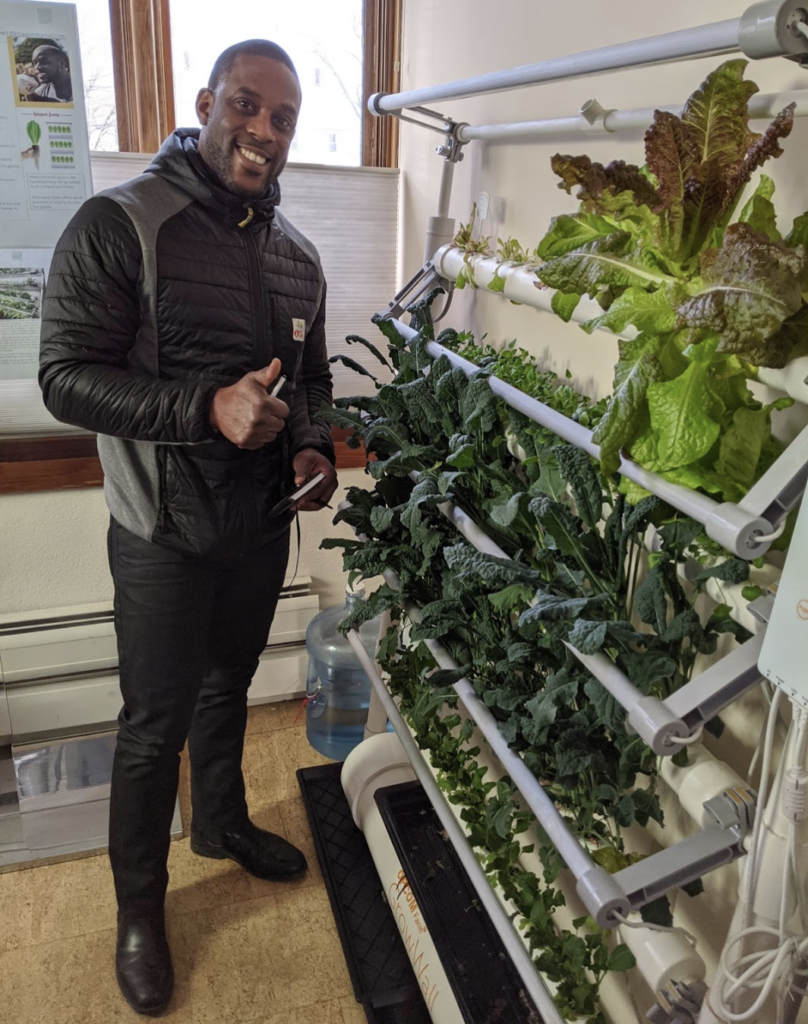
179	162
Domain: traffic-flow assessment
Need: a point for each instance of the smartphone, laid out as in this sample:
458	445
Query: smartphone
286	503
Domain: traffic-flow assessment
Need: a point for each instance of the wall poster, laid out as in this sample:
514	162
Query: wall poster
44	164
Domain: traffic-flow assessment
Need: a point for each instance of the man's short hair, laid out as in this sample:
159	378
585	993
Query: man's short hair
249	48
60	53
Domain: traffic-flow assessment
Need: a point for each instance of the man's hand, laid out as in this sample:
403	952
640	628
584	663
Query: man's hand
308	463
245	413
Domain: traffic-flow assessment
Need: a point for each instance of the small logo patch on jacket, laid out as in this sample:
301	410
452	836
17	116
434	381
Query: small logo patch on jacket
299	330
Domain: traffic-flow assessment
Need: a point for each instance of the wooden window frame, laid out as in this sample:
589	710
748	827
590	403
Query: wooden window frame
144	96
144	76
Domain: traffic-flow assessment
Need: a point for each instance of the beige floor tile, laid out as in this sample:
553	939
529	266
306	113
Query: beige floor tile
72	899
328	1012
16	909
296	830
352	1012
261	958
270	762
283	714
73	982
56	901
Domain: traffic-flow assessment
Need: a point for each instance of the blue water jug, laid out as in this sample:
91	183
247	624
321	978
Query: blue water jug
337	687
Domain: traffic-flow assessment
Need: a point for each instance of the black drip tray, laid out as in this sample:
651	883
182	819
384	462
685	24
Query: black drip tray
485	982
380	970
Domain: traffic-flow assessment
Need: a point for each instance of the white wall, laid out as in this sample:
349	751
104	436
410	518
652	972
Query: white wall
453	39
53	549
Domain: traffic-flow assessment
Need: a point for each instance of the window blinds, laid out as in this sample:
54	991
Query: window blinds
349	213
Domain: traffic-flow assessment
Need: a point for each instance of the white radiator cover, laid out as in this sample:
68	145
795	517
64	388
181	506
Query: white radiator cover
58	666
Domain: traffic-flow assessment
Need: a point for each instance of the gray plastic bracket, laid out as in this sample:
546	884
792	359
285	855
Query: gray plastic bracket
718	686
782	485
688	860
663	724
416	288
678	1002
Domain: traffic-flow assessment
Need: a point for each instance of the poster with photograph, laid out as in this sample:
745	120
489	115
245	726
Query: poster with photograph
22	282
44	153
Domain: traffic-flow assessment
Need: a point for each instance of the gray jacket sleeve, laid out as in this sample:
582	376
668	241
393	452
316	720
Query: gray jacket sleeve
90	321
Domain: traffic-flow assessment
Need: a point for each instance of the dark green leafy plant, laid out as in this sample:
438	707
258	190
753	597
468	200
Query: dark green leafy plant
573	572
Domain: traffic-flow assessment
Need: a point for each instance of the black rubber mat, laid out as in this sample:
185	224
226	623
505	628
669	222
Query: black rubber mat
380	970
485	982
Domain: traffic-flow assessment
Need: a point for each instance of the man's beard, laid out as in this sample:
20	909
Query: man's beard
220	162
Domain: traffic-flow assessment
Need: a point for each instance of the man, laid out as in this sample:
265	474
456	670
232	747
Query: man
173	304
53	74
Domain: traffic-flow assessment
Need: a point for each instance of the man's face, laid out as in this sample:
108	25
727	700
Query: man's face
49	66
248	124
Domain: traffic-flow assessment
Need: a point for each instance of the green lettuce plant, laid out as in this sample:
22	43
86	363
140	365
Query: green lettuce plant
710	299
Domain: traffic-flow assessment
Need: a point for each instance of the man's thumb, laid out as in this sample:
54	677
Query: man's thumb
268	374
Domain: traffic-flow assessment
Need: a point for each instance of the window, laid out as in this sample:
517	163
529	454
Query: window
145	60
324	39
95	34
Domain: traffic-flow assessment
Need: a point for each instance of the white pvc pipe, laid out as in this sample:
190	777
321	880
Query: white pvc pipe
745	533
513	944
792	378
521	283
702	41
698	506
542	806
371	766
761	107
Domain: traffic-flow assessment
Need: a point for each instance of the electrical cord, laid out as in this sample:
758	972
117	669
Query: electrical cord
783	961
687	740
648	926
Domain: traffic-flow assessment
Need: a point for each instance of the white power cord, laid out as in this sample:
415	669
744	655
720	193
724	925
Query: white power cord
648	926
762	970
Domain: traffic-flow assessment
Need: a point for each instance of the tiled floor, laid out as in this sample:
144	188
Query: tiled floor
245	951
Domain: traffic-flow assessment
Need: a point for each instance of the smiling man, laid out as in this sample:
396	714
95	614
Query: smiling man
53	74
174	303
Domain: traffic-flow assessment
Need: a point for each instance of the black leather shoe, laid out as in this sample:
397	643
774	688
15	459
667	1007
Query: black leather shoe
143	964
261	853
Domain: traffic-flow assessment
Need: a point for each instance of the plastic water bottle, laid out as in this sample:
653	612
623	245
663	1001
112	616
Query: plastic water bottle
337	687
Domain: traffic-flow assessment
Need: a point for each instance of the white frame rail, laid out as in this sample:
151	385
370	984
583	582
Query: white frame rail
763	30
513	944
747	528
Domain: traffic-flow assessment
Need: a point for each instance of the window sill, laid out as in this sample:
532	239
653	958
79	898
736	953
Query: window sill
63	463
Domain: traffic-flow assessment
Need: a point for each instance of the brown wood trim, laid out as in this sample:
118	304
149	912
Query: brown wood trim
35	464
381	73
49	475
144	77
39	449
347	458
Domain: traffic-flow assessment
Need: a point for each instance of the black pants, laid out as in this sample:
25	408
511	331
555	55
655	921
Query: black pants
190	630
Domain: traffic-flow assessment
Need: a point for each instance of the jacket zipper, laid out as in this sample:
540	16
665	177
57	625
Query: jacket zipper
162	473
261	342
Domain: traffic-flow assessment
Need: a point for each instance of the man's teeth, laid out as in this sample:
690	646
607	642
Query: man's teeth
248	153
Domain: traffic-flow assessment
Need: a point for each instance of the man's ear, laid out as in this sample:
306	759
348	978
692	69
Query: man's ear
204	104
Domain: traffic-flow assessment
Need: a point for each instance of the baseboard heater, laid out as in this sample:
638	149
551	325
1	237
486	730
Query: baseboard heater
59	665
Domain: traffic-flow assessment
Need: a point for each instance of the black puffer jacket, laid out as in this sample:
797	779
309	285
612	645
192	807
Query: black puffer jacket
160	292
